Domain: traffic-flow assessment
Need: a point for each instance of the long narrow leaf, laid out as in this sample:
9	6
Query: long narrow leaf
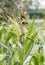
1	44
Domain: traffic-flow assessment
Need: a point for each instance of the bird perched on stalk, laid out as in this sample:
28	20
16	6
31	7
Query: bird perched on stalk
23	26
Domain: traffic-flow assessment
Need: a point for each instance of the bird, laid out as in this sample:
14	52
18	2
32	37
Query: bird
23	26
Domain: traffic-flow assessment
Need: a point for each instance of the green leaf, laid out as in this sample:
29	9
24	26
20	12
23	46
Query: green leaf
0	33
28	47
2	30
31	28
1	44
17	63
40	58
34	36
1	63
36	62
20	54
10	35
29	42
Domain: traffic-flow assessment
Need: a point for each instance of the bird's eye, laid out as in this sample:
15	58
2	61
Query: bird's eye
23	23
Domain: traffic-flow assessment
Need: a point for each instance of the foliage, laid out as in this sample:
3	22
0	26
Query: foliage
12	52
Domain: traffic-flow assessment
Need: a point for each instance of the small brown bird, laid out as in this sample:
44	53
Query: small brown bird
23	26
